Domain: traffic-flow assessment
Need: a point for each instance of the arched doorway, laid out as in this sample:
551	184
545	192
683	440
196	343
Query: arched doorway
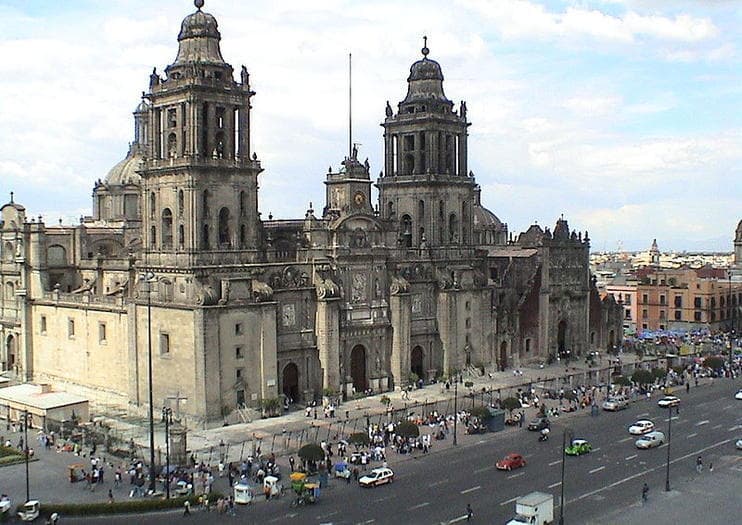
10	352
358	368
290	382
416	362
611	340
562	337
503	356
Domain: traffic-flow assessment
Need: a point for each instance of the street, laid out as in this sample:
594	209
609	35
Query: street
436	488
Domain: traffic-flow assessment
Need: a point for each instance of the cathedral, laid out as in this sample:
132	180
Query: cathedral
176	265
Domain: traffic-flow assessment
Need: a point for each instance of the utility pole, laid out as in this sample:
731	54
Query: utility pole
25	451
455	409
669	437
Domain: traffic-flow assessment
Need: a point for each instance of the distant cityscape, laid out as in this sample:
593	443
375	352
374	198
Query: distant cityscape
673	291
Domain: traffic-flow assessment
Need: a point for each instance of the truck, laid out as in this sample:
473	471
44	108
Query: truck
536	508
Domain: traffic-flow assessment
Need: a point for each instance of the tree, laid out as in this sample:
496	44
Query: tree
621	381
385	400
569	395
311	452
407	429
659	373
482	413
510	403
642	377
271	406
359	439
713	362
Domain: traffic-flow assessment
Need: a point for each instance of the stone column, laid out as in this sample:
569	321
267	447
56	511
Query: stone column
328	341
400	309
268	351
448	330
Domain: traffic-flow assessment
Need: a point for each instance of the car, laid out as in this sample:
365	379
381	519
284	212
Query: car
510	462
377	476
539	423
738	395
643	426
668	401
739	444
615	403
578	447
651	440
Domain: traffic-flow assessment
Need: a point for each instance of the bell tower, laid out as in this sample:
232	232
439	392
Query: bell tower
426	185
199	179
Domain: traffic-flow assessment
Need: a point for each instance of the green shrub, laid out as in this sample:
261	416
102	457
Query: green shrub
480	412
621	381
713	362
642	377
510	404
121	507
659	373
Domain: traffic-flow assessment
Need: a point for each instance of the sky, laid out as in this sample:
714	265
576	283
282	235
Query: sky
625	116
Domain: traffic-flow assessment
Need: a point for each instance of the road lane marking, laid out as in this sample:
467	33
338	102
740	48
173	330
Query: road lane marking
421	505
593	471
516	475
692	435
624	440
704	422
481	441
471	489
441	482
327	515
379	500
645	414
631	457
716	427
555	484
366	522
555	462
732	429
596	449
642	473
727	407
456	520
483	469
509	501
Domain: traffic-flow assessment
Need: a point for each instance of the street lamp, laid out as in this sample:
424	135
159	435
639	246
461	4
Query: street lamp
567	432
167	416
148	278
26	450
669	437
455	409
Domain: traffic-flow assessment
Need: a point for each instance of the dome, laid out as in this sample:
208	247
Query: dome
198	40
739	232
425	69
125	172
485	219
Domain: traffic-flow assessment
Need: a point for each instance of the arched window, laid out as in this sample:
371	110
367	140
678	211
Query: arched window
243	236
243	207
153	237
205	244
441	222
9	291
152	204
390	210
421	211
172	146
181	203
167	228
224	235
181	236
205	203
406	227
465	222
409	164
56	256
8	252
453	229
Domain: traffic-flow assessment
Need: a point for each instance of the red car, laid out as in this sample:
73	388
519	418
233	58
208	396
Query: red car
510	462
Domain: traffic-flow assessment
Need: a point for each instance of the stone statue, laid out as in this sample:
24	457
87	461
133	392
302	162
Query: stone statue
354	154
463	110
366	164
389	111
154	78
244	76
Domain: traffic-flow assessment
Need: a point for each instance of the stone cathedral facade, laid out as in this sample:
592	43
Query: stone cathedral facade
235	309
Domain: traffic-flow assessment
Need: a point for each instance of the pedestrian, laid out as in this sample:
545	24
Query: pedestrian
699	464
469	512
110	496
687	386
645	492
186	508
292	463
711	467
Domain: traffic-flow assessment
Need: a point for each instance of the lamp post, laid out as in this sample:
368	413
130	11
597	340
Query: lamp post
167	415
567	432
731	324
455	409
669	437
25	451
148	278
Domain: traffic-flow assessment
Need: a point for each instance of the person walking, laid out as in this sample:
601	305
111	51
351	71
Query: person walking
469	512
645	493
186	508
699	464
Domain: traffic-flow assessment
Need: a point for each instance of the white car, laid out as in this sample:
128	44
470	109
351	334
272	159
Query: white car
739	444
377	476
668	401
651	440
738	395
641	427
615	403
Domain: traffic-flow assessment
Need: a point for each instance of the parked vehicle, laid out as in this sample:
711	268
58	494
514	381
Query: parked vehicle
243	493
739	444
578	447
651	440
30	510
539	423
272	486
668	401
615	403
641	427
738	395
536	508
4	507
510	462
376	477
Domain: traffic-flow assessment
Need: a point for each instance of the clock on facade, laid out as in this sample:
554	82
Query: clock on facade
359	198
